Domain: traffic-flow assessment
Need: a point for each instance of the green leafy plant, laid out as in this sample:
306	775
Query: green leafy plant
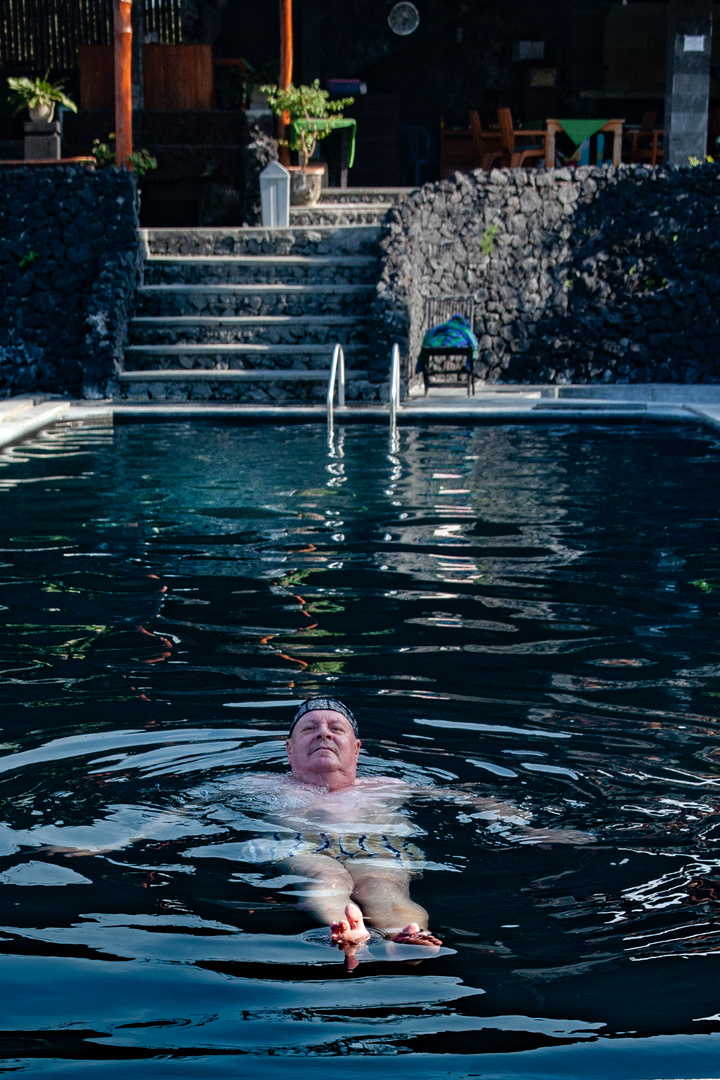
488	239
141	161
28	259
305	103
31	93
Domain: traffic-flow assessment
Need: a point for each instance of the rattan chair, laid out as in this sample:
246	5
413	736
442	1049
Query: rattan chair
447	367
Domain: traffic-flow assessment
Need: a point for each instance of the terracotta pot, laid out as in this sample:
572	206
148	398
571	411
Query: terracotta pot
42	114
305	184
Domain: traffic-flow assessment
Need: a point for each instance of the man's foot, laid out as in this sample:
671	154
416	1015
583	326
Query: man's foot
413	935
349	934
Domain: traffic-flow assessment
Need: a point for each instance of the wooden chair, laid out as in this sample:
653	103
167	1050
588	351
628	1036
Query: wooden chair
447	367
514	157
488	151
644	141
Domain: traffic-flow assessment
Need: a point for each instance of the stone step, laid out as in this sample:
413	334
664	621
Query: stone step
261	387
260	299
252	315
248	329
255	240
270	269
357	195
246	375
347	214
235	356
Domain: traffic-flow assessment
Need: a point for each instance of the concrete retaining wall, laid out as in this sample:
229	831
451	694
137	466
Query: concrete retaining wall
69	264
591	275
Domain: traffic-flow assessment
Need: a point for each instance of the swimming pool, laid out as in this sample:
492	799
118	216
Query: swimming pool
532	613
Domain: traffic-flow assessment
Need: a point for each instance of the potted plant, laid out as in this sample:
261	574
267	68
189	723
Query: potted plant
312	108
141	161
39	97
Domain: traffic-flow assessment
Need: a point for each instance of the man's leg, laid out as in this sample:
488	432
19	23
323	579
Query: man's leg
325	894
384	896
326	888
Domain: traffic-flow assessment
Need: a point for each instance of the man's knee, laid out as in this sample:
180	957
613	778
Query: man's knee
385	883
319	873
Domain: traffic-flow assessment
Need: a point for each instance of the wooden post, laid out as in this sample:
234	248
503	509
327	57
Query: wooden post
123	82
286	70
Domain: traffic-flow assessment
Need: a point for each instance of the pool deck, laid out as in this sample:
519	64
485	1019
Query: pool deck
613	403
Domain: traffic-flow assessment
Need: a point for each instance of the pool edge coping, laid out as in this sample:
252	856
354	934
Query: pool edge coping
25	415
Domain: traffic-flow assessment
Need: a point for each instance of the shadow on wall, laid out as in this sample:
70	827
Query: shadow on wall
591	275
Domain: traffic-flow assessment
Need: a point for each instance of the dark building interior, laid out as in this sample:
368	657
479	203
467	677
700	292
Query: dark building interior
577	58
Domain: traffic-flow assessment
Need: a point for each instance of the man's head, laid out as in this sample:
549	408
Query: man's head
323	744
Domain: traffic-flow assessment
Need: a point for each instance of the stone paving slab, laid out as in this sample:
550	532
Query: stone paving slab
17	425
709	414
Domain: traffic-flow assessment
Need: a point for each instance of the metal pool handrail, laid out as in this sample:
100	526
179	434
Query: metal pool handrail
394	385
337	374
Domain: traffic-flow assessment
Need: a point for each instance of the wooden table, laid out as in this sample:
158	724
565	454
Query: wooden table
613	127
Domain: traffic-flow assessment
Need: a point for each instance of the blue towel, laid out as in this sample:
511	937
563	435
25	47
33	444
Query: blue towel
456	333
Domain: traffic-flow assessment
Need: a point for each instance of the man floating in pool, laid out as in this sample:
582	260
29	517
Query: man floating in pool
343	842
351	855
357	878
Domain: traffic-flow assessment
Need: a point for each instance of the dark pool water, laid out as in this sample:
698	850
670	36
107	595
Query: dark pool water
525	613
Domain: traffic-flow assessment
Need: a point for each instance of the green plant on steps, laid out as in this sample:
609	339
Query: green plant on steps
141	161
305	103
37	93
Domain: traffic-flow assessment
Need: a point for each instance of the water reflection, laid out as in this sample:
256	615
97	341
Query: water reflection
525	614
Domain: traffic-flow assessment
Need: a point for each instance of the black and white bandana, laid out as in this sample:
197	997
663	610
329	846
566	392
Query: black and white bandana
326	704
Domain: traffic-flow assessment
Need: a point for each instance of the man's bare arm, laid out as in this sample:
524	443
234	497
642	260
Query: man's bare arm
502	816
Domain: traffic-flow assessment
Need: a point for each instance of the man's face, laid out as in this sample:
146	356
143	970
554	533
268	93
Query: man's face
323	749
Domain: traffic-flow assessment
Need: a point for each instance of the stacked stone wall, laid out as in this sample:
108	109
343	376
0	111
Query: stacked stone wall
69	265
597	274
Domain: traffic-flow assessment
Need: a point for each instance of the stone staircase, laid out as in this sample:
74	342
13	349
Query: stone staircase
252	315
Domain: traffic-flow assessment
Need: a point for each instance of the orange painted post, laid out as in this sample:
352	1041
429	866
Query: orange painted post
123	82
286	70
